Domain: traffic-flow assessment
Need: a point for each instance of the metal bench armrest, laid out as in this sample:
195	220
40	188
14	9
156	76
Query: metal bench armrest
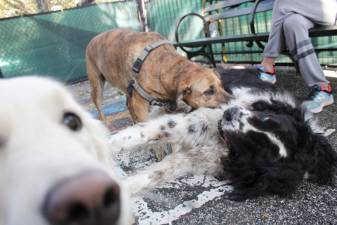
205	24
252	25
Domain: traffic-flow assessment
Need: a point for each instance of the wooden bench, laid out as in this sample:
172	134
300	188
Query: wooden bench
217	11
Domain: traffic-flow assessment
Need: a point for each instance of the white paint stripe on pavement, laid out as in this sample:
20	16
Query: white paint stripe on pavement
147	217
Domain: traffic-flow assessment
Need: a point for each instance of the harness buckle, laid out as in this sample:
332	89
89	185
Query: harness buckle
137	65
148	48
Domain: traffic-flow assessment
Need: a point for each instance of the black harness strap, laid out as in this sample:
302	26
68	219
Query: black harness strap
168	104
137	65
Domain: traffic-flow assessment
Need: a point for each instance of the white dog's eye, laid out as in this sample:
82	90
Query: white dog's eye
72	121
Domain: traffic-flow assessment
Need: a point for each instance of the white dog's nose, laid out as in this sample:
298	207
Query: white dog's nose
86	199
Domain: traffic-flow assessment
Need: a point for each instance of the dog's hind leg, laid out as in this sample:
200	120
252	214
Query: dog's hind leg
97	85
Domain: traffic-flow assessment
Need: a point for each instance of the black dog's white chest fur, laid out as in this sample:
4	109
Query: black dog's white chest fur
259	141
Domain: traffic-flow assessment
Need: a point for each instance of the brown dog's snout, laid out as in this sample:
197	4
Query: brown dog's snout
226	97
86	199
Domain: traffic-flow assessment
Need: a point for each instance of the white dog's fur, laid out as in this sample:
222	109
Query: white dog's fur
37	149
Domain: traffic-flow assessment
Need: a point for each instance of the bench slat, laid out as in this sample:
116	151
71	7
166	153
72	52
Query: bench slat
235	8
263	6
314	32
323	31
234	38
224	4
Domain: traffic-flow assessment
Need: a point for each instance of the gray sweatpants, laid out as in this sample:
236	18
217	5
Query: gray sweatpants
291	21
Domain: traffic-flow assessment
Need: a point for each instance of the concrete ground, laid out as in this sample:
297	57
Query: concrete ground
200	200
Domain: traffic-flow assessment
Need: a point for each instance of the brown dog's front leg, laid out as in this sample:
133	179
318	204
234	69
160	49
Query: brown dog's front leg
138	108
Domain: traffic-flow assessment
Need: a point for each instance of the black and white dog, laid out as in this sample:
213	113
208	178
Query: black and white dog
260	141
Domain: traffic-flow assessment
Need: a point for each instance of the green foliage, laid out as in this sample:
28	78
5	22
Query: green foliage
9	8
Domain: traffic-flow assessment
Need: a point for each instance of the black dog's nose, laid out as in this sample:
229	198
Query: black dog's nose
86	199
230	113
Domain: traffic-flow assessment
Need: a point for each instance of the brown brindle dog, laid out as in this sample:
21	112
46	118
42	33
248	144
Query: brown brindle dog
164	74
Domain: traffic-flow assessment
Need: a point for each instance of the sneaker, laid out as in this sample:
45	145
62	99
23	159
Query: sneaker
266	76
319	97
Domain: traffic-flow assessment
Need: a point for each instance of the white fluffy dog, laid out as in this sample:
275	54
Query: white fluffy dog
54	163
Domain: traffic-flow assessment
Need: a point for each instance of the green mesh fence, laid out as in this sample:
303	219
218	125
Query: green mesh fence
230	52
163	16
54	44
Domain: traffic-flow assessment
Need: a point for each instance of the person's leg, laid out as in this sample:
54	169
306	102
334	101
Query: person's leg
274	45
318	11
275	40
296	32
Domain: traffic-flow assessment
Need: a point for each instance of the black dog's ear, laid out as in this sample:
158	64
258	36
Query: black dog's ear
253	180
322	161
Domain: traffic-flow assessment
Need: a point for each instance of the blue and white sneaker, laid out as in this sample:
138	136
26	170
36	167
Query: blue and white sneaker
319	97
269	77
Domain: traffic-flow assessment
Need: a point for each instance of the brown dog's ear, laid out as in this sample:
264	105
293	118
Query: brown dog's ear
216	73
183	94
186	91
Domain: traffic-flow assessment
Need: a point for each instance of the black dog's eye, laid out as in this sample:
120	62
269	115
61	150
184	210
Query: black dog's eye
210	91
72	121
265	122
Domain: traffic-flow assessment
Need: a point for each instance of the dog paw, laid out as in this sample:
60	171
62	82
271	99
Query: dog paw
137	183
117	144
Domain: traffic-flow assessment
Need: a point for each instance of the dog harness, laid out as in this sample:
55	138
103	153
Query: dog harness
134	85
